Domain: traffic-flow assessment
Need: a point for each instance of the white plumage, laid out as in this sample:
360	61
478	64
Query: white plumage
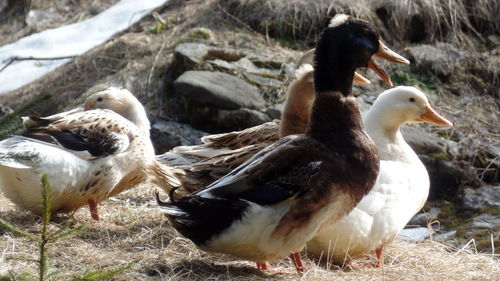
89	155
401	188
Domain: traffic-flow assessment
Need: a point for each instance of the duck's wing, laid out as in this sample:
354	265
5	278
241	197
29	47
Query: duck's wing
264	133
281	171
95	133
36	121
205	171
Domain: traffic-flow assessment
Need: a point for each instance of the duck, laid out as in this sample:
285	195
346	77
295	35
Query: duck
221	153
89	154
271	205
400	190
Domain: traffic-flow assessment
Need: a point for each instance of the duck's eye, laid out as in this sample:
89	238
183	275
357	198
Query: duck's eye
412	99
99	99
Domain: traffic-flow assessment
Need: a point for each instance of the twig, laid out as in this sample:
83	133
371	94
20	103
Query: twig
16	58
40	58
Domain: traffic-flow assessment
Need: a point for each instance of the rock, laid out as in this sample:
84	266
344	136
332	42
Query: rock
446	177
424	218
443	59
169	134
219	120
241	119
444	236
263	81
36	18
418	234
188	56
423	142
3	5
484	196
275	110
218	90
486	221
4	110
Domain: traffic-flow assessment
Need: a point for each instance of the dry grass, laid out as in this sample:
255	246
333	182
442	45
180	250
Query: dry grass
457	21
134	232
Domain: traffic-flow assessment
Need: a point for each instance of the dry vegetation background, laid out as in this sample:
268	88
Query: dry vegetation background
133	233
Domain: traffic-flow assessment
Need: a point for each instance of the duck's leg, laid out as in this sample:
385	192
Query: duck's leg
380	256
262	265
93	209
297	261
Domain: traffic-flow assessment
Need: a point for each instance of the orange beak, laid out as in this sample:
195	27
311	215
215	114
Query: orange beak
431	116
360	79
387	54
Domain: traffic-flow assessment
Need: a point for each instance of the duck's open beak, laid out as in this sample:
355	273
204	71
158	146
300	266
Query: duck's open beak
387	54
431	116
360	79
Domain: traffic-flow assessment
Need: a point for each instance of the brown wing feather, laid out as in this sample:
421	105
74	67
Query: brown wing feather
264	133
101	132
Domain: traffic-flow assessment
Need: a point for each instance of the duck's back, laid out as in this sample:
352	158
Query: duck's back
23	161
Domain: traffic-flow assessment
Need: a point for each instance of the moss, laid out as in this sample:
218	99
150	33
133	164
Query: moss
441	156
200	33
424	82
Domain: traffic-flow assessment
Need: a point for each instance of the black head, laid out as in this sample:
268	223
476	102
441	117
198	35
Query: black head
346	44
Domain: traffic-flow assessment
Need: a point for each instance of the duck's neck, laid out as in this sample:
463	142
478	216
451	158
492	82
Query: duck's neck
333	70
383	127
334	119
138	116
297	111
335	115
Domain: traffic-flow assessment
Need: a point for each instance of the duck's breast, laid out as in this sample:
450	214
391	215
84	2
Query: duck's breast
399	192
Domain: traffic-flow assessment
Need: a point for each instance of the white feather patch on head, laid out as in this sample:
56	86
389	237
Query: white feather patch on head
338	19
303	70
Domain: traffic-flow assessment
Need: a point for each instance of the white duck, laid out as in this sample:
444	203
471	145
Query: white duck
88	155
401	188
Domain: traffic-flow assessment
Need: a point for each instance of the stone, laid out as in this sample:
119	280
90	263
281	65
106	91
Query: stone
188	56
35	18
241	119
275	110
422	142
443	237
263	81
484	196
3	5
486	221
218	90
443	59
169	134
446	177
4	110
418	234
424	218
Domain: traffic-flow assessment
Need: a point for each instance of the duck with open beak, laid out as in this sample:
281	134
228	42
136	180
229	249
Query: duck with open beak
385	53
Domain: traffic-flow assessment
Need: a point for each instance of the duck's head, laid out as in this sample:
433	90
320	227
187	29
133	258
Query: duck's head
401	105
122	102
346	44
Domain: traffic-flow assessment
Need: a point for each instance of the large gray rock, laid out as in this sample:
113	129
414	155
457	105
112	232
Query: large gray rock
484	196
443	59
218	90
169	134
